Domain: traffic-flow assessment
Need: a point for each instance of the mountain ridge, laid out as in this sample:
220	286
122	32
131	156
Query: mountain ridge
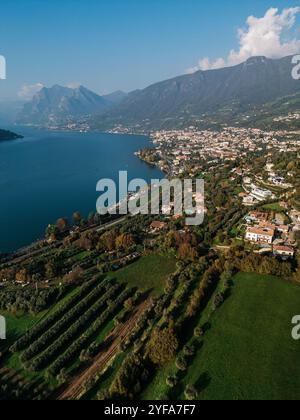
174	103
256	81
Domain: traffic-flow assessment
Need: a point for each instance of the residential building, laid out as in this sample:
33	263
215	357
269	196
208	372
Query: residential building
158	226
283	251
260	235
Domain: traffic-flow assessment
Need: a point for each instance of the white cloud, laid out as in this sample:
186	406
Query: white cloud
267	36
28	91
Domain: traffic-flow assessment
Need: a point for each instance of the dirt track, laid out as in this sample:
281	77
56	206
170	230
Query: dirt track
118	336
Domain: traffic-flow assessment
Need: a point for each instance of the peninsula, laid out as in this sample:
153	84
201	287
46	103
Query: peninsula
9	135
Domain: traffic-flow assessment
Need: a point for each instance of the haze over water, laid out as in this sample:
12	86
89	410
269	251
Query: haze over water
49	175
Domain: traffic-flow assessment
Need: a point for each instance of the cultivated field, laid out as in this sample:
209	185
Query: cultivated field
92	319
247	352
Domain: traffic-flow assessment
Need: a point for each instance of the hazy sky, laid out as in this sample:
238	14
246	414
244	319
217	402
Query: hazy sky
128	44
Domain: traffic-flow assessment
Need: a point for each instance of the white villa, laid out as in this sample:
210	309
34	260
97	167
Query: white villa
262	235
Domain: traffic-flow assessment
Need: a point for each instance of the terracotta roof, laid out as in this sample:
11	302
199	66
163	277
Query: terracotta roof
283	248
267	225
261	231
158	225
259	215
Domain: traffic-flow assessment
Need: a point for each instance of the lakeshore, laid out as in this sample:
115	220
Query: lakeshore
57	175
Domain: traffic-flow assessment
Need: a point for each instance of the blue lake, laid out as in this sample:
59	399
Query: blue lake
49	175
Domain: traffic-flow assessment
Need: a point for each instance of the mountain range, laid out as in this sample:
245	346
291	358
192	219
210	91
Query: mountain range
58	105
219	94
192	97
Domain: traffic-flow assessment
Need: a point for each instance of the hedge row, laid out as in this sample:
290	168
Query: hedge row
78	345
52	352
64	323
45	324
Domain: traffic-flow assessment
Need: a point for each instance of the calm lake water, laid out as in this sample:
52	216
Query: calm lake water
49	175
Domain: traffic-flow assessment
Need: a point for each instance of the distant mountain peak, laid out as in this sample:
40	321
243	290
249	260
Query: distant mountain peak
256	60
58	104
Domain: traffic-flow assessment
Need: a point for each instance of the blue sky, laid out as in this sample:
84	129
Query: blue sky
117	44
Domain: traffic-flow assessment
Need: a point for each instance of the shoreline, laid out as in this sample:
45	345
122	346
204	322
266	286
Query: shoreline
31	242
81	131
152	165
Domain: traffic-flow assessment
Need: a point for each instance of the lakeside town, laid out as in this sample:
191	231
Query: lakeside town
177	150
192	152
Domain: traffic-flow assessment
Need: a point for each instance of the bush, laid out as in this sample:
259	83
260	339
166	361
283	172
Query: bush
172	381
129	378
189	350
163	346
181	363
191	392
198	332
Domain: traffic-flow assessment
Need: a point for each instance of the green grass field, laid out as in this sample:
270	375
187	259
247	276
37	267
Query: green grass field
16	326
82	256
248	352
148	273
273	207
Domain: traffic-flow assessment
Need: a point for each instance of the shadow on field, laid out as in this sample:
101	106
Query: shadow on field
203	382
